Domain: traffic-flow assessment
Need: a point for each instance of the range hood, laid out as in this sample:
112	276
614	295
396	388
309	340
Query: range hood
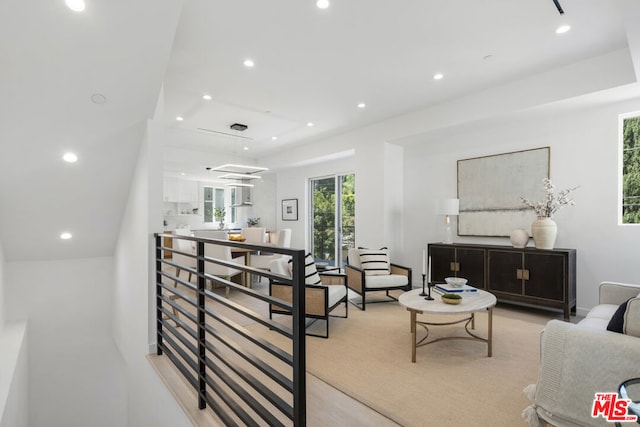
243	196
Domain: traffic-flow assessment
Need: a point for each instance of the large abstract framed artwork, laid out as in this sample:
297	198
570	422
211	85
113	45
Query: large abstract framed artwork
490	188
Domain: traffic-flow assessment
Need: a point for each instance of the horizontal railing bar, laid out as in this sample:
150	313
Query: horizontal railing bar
236	244
219	411
193	364
282	330
179	280
191	270
240	391
257	340
250	379
182	296
230	382
266	369
188	329
264	298
183	370
230	402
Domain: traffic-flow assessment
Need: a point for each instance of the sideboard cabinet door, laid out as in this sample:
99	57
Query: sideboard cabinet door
471	266
458	261
503	272
442	259
546	276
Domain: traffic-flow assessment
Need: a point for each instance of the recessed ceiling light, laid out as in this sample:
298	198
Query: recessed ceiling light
249	63
75	5
179	118
274	138
65	236
70	157
438	76
310	124
98	98
206	97
322	4
362	105
246	148
563	29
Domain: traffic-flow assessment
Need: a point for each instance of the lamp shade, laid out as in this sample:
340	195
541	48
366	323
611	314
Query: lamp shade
447	206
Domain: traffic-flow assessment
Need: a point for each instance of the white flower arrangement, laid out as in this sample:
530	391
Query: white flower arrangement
552	203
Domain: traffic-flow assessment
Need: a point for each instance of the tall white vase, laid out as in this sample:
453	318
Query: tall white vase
544	231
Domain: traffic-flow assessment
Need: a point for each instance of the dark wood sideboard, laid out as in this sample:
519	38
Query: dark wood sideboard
542	278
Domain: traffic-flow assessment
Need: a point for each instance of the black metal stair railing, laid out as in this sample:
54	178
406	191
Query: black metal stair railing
235	358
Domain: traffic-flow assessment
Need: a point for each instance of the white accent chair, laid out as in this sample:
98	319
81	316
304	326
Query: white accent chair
579	360
320	299
222	253
397	278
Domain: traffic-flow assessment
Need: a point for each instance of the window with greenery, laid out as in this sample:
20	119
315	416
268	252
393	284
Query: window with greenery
333	220
213	198
631	170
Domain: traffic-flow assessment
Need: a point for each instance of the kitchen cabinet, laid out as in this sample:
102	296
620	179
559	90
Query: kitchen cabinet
180	190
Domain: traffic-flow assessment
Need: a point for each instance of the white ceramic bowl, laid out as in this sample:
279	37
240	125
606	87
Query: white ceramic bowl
456	282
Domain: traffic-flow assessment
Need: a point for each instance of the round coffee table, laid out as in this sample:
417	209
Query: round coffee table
472	302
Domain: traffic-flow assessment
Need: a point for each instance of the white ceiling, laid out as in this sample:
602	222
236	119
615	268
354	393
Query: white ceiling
311	66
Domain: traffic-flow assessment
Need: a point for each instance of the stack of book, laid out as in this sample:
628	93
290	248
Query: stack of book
448	289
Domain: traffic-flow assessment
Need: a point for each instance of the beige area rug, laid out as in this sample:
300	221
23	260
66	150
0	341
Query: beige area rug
452	383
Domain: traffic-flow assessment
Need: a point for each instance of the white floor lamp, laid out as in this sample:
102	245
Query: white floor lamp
447	207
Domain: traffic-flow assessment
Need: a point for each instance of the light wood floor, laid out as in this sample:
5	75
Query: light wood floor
325	404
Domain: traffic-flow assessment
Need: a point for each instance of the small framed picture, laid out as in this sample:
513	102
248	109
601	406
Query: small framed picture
290	210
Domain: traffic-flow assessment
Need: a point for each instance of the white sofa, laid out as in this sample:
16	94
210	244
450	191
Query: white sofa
579	360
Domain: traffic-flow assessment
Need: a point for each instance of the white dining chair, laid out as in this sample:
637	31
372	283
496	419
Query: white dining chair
254	234
222	253
183	246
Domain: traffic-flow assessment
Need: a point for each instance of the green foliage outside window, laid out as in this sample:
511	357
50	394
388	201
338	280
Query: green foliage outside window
631	171
324	216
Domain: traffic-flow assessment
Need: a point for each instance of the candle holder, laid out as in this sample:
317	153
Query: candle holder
427	296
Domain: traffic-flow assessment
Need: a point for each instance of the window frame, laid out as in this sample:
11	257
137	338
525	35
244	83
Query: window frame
621	166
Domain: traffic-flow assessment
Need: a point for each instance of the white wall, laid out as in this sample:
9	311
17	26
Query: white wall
74	375
2	269
14	376
14	379
584	152
149	403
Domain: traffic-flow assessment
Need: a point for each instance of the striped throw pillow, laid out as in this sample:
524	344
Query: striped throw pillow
375	262
310	271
